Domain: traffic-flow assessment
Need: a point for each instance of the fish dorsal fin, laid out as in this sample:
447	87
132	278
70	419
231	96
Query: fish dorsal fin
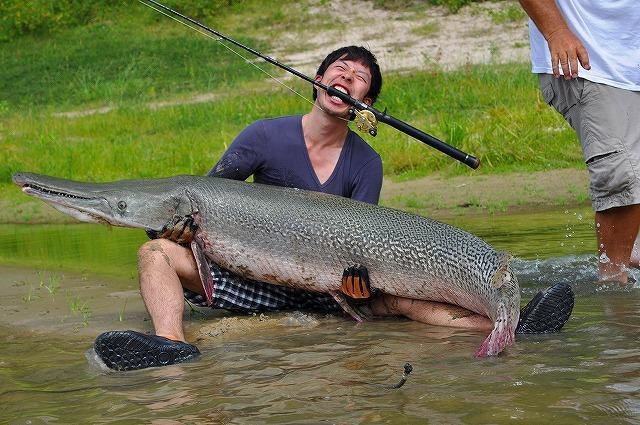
502	276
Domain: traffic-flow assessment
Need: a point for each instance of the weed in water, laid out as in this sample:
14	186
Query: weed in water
78	307
194	311
121	312
496	207
30	295
52	285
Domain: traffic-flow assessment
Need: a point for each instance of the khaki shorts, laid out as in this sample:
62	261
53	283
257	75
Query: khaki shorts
607	121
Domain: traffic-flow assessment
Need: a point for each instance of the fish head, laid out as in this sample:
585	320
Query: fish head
147	204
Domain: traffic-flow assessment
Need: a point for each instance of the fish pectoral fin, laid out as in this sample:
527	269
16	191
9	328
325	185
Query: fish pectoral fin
350	310
203	271
502	276
356	285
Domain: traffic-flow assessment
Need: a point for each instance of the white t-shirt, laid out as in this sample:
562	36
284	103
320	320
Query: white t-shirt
609	30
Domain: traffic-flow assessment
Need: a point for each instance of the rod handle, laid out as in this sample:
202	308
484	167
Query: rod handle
428	139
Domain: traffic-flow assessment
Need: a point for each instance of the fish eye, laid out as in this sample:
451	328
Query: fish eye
122	206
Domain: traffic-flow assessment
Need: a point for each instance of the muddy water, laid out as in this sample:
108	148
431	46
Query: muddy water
62	285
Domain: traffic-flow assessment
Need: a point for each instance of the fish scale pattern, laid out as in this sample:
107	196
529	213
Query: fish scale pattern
306	239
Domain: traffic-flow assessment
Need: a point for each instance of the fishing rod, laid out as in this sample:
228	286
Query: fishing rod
366	117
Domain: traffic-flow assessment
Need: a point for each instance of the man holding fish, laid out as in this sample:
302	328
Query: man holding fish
316	152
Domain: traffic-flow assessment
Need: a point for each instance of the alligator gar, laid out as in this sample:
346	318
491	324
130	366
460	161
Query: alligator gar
304	239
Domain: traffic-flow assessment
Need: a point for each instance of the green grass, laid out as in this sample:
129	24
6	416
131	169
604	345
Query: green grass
512	13
105	65
493	112
427	29
451	5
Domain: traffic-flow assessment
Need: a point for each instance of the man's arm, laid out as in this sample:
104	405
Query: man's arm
564	46
242	158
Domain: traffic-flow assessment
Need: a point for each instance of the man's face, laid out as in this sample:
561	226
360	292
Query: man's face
348	76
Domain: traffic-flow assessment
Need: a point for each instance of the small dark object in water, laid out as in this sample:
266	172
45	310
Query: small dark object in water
131	350
548	311
405	374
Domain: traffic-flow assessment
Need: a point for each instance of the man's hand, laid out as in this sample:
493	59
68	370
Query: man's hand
181	230
566	49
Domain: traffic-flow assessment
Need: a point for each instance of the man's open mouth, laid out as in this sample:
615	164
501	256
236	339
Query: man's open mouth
342	89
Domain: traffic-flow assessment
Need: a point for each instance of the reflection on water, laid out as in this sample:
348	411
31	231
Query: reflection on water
329	369
78	247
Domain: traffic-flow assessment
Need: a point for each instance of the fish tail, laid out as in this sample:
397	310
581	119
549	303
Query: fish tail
502	335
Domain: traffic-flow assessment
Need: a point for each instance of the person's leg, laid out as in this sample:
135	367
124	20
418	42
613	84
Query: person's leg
604	119
635	254
546	312
164	268
617	229
429	312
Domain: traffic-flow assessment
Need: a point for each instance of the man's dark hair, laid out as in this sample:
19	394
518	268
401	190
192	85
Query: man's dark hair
357	54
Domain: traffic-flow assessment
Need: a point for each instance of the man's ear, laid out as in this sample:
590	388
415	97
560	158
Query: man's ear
368	101
318	78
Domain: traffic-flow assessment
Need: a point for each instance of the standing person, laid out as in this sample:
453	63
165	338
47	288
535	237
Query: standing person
587	57
318	152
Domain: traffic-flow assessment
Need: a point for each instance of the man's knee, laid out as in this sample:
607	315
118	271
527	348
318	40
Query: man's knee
158	252
164	256
155	248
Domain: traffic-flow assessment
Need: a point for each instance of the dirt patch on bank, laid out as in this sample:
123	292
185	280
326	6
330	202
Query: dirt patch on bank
412	38
438	196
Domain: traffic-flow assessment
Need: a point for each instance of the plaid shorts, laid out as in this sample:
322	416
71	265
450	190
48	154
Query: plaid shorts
232	292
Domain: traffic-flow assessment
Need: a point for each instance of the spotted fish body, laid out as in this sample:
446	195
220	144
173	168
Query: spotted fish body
305	240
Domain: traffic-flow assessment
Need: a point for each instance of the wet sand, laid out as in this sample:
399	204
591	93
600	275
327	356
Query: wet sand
89	304
47	301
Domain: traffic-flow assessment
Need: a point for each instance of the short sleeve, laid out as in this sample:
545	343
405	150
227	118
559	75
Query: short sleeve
242	158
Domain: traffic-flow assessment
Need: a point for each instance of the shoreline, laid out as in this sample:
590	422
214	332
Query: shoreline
436	196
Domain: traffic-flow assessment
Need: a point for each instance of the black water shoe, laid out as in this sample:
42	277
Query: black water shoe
131	350
547	312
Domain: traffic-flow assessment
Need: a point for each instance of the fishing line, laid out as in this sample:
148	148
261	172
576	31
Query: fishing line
221	41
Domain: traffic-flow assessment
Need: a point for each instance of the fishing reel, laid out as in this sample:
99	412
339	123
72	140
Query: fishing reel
365	121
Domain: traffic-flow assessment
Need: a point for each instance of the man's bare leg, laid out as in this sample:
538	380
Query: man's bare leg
616	230
430	312
163	268
634	261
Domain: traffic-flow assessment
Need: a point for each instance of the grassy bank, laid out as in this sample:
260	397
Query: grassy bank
148	99
491	111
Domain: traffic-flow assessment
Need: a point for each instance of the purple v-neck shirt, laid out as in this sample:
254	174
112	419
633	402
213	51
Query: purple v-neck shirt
274	152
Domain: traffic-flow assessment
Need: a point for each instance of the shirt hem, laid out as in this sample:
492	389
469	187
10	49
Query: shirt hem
590	77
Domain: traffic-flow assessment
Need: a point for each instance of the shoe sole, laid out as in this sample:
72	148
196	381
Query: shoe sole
130	350
548	311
